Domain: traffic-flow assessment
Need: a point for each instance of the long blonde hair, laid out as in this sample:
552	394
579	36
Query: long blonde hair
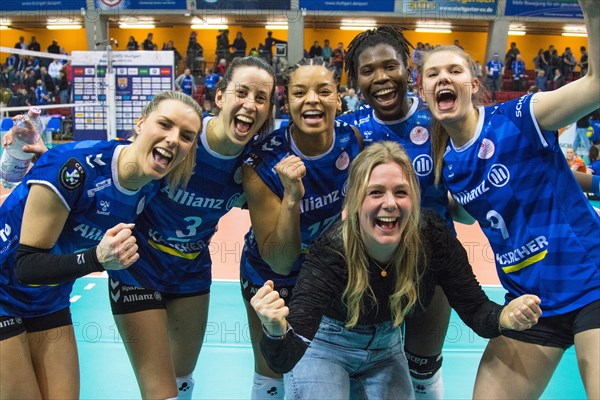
439	135
408	253
180	175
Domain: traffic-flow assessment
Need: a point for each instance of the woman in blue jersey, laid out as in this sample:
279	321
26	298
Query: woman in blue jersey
377	60
503	163
174	233
294	182
73	215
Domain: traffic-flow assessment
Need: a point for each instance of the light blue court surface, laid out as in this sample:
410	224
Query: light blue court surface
225	367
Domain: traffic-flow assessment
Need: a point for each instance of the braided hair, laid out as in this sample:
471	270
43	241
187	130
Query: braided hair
316	61
386	34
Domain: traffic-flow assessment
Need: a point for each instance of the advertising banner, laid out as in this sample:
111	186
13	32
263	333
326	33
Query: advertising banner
140	75
140	4
345	5
41	5
544	8
457	9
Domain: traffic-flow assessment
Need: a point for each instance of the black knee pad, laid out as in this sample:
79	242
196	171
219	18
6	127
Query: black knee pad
423	367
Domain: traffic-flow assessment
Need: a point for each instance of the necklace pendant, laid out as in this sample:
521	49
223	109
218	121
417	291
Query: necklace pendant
383	274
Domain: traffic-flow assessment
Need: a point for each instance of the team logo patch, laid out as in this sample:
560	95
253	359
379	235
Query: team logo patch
419	135
72	174
343	161
487	149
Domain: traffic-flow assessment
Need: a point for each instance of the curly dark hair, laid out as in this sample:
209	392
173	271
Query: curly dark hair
388	34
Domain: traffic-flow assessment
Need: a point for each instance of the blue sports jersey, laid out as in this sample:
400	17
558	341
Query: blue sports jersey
186	85
412	132
514	179
174	231
495	67
324	193
84	177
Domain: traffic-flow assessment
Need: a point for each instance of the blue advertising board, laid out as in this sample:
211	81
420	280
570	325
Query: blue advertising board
345	5
140	4
544	8
243	4
459	9
41	5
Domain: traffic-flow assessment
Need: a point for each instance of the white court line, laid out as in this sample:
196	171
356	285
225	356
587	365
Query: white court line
74	298
89	286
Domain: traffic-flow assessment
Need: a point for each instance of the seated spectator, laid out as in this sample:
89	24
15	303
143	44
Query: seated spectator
54	69
352	101
594	156
19	99
574	161
558	80
41	96
186	83
540	80
210	83
518	74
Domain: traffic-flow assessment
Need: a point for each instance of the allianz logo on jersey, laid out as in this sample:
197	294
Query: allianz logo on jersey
497	176
89	232
314	203
5	232
423	165
190	199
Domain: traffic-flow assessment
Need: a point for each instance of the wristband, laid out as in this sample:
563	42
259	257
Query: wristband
596	185
276	337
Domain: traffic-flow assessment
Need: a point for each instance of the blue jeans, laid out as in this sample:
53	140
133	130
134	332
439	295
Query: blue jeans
581	139
365	362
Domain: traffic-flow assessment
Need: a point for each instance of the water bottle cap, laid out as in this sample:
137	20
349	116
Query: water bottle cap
35	112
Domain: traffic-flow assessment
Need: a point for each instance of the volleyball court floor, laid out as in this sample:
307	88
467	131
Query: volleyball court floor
225	367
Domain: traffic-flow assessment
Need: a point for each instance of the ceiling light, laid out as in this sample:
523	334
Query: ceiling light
574	28
210	26
124	25
516	33
364	22
358	24
357	27
574	34
277	26
63	26
433	30
574	31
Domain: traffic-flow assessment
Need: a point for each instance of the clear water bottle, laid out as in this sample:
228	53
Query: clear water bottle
15	162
